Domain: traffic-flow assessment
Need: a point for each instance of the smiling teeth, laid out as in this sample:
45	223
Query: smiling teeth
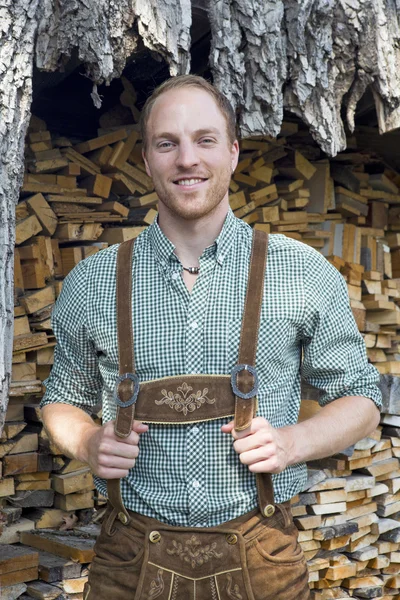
189	181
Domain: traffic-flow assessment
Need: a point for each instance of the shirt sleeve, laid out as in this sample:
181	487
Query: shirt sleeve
75	378
334	354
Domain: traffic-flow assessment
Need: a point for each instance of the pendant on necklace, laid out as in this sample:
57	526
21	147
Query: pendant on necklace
192	270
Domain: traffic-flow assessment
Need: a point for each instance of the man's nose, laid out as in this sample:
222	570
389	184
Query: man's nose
187	156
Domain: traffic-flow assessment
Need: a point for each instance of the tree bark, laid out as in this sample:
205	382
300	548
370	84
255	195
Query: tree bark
310	58
17	29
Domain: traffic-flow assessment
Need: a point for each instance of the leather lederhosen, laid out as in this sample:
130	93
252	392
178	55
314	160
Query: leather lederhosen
191	563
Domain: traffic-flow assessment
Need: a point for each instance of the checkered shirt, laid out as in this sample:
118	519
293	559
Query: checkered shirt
190	475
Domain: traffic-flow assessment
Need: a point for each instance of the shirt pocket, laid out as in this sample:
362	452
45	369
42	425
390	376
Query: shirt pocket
278	351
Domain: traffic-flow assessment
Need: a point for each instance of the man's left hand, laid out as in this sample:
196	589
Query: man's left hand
260	446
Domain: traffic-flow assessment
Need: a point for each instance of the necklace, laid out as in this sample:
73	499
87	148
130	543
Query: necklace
192	270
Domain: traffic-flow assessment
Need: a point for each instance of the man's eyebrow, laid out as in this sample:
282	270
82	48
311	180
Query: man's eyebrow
204	131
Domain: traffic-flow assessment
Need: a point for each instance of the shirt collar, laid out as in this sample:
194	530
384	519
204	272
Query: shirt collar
164	248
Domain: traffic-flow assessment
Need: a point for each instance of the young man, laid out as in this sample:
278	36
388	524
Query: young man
199	516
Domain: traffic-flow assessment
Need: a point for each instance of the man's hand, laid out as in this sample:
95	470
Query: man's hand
109	456
261	447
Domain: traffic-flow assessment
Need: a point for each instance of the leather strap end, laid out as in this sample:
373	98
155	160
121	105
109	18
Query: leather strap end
244	413
124	421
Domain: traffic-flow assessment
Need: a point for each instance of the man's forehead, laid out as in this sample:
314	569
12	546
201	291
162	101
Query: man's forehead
192	101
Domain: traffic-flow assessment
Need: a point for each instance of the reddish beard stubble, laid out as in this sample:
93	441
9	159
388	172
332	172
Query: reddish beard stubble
197	204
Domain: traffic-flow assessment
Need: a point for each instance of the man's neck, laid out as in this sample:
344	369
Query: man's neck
190	238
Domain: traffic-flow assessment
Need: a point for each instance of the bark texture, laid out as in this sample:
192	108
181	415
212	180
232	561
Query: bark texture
310	57
18	26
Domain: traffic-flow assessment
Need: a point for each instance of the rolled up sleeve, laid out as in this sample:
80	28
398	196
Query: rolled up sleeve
75	378
334	354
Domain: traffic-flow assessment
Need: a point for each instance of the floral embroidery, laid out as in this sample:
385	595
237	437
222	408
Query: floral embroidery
232	589
193	552
184	403
156	586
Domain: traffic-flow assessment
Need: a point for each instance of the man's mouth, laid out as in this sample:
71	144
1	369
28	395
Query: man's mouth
189	182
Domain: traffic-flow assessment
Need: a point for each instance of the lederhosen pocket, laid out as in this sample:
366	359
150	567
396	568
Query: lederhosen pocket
191	563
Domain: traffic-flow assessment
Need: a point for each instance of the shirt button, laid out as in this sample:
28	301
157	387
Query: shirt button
195	430
195	483
175	275
194	325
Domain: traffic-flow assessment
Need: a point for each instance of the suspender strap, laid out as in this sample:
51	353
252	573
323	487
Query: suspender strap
245	408
125	387
244	378
125	390
247	382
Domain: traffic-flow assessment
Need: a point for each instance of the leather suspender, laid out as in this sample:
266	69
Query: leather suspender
244	377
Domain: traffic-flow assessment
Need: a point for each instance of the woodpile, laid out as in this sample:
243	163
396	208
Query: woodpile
80	196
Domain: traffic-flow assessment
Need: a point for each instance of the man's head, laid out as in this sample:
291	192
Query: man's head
190	147
196	82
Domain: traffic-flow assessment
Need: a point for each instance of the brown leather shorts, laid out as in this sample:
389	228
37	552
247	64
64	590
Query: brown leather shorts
250	558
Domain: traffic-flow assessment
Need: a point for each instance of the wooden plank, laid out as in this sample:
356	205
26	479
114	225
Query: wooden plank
67	546
72	482
117	235
101	141
43	591
16	558
54	568
27	228
8	579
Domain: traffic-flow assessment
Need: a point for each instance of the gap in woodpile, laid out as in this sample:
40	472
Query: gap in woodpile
85	188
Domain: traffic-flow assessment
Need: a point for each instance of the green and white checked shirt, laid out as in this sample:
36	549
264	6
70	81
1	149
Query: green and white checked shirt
190	475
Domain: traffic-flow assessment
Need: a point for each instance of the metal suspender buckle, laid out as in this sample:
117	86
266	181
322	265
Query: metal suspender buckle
133	377
254	391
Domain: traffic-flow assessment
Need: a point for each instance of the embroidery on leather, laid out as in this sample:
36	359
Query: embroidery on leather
174	595
193	552
157	585
214	595
86	591
183	403
232	589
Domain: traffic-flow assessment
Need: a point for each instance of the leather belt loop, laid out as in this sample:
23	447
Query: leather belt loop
127	385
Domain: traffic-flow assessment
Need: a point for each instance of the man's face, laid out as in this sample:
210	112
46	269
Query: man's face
188	153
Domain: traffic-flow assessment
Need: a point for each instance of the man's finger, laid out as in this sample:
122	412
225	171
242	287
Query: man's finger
256	424
254	440
139	427
257	454
227	428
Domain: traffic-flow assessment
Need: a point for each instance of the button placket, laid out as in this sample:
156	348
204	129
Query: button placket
195	460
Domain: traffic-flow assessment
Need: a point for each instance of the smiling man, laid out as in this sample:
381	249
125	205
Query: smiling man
195	338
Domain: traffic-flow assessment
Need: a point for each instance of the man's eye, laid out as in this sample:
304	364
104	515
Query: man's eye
207	141
165	145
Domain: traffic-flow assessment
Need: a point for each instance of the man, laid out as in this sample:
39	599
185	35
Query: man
193	478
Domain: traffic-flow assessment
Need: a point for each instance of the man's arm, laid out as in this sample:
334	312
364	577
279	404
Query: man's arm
334	360
335	427
76	435
74	388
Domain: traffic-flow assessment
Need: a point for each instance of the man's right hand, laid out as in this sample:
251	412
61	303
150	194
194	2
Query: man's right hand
109	456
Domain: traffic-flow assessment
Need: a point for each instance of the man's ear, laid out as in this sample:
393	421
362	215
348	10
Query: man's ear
235	155
146	164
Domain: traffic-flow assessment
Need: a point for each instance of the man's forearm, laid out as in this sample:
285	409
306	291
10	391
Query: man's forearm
334	428
69	428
